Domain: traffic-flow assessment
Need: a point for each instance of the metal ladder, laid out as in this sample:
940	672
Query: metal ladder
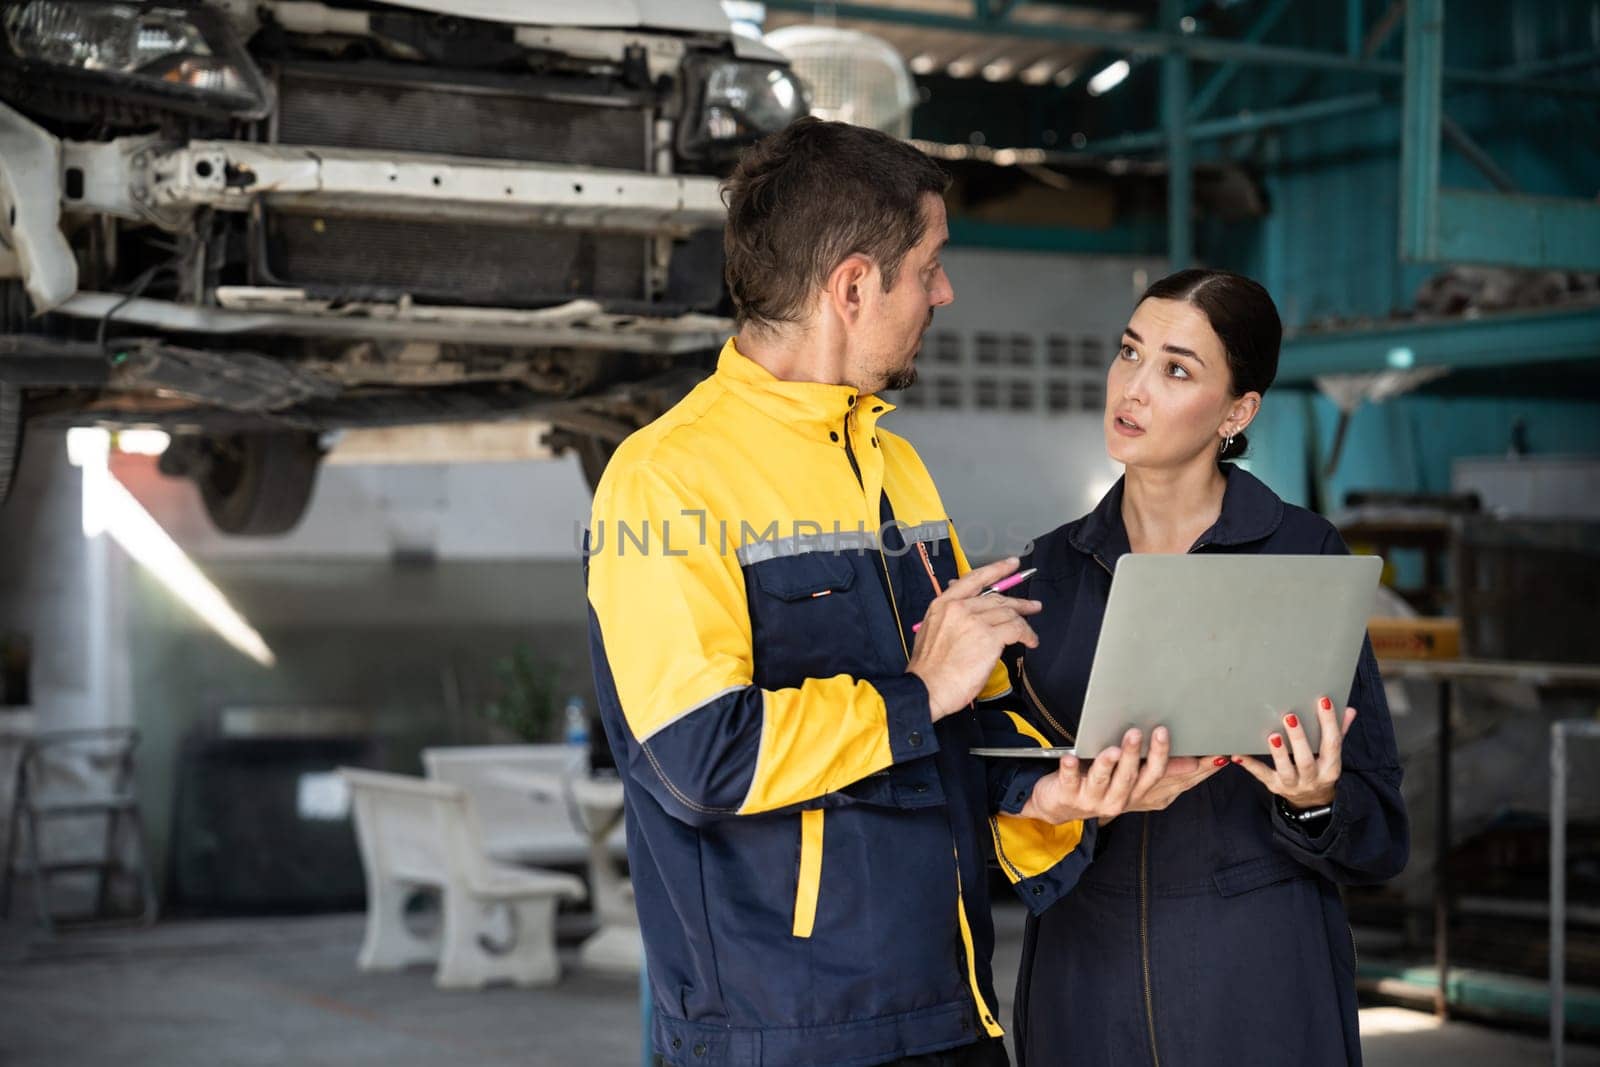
103	759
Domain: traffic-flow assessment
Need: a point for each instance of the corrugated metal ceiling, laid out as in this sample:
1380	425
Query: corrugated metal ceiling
1004	54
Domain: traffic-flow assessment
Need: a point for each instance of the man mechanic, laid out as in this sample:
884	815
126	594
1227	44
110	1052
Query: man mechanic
807	832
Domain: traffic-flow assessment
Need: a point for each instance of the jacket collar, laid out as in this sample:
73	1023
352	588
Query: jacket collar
816	409
1250	512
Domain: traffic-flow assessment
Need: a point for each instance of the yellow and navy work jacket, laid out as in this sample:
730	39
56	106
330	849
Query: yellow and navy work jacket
807	847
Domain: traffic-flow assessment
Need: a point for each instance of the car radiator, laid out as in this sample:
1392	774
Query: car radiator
383	107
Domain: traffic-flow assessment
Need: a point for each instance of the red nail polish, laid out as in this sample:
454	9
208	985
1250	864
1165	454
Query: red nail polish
1327	705
1277	742
1220	761
1292	721
1238	759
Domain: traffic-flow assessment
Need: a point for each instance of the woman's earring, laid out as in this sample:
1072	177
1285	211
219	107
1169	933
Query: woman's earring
1227	444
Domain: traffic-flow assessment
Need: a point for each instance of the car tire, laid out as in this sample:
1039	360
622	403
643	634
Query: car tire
10	437
257	484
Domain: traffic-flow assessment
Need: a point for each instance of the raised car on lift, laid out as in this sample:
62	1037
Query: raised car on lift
255	222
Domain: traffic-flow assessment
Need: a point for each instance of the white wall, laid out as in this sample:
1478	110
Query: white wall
1043	292
62	592
1006	479
1008	476
511	510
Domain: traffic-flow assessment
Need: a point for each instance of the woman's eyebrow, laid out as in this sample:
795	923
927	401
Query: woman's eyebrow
1180	351
1177	350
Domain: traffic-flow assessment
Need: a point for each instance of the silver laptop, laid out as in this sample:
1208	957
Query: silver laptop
1219	648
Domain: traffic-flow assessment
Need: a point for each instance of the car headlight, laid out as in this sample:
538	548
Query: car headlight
181	55
739	102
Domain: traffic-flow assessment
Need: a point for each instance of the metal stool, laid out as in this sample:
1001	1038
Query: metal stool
103	760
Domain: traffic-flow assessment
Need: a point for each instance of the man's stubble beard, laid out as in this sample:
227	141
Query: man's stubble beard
903	379
906	376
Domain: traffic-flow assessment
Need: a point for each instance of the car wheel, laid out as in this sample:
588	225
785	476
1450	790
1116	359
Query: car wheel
253	484
10	437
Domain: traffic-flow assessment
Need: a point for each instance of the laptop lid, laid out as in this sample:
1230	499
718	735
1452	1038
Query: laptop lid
1219	647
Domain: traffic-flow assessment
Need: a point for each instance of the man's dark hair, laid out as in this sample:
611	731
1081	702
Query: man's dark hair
803	200
1245	320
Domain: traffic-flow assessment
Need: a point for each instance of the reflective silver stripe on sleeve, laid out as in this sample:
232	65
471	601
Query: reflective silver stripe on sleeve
926	531
841	542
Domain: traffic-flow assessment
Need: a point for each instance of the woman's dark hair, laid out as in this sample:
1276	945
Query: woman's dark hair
803	200
1245	320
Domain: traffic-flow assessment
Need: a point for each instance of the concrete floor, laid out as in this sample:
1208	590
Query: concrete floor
236	993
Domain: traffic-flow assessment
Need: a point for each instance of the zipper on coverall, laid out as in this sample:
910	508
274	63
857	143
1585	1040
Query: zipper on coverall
991	1027
1144	905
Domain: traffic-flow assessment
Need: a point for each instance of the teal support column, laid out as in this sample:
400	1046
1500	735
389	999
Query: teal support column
1180	152
1419	134
1352	28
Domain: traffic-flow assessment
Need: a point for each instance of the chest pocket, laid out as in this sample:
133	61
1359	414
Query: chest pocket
806	618
806	576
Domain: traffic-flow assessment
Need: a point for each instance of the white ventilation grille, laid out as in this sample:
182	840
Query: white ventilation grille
985	370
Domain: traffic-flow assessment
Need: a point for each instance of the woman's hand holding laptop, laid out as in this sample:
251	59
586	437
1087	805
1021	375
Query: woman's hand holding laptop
1115	782
1303	779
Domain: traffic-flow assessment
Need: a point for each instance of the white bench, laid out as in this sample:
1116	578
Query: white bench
535	799
521	825
417	833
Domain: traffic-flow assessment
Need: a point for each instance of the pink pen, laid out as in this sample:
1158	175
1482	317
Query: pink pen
998	587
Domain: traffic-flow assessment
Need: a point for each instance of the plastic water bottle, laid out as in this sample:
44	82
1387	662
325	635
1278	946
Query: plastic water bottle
577	733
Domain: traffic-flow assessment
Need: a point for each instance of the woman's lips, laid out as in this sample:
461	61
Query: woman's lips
1126	428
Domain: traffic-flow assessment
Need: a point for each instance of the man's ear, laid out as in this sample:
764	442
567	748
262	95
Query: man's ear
848	286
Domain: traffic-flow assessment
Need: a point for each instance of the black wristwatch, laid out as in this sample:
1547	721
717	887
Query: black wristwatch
1302	816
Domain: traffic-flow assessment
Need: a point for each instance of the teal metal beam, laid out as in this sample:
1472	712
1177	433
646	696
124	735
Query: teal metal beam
1458	226
1195	46
1545	232
1498	79
1353	20
1244	122
1422	111
1475	154
1554	65
1180	153
1224	74
1489	341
